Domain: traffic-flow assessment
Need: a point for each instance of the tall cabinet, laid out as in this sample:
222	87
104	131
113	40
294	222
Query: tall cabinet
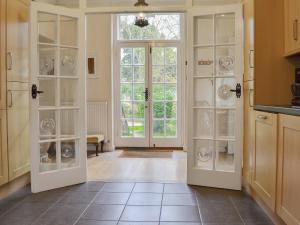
14	101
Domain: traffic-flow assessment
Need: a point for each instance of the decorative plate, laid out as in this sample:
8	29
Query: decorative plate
226	63
224	92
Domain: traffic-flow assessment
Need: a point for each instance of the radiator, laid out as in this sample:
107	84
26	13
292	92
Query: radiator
97	121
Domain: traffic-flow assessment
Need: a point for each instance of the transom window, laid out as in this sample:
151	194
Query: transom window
161	27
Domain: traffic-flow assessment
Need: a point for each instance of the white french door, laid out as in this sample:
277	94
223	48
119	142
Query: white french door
58	125
148	95
215	79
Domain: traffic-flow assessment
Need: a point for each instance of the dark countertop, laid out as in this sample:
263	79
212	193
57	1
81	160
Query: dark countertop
289	110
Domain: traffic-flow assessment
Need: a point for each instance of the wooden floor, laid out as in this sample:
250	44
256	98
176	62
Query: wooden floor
138	166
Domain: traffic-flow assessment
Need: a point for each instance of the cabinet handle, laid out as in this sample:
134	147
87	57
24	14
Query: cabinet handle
9	61
295	30
11	99
262	117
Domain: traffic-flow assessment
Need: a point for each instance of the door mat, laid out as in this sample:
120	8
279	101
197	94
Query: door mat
146	154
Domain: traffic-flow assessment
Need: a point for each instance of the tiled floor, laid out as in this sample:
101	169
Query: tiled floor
98	203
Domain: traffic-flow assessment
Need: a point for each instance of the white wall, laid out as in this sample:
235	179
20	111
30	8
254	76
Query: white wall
99	44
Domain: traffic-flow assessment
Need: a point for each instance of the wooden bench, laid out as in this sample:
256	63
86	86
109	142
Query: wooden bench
96	139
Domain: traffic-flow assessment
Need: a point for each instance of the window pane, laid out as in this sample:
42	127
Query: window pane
171	128
158	110
158	128
161	27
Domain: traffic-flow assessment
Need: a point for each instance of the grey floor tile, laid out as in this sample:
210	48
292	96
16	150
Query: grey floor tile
149	187
107	198
15	221
95	222
207	195
179	223
6	205
47	196
118	187
92	186
219	212
104	212
177	189
138	223
75	197
28	210
222	224
180	214
179	199
63	213
54	221
141	213
145	199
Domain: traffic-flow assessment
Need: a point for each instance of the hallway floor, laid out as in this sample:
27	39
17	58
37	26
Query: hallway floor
98	203
160	166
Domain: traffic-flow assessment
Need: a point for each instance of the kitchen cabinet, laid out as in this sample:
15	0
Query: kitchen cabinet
292	25
288	182
248	132
3	149
18	129
18	87
2	55
265	157
14	93
248	40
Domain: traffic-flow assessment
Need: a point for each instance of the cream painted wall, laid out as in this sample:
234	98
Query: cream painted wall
99	44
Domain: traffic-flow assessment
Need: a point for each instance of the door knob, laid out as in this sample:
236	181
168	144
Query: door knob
35	91
237	90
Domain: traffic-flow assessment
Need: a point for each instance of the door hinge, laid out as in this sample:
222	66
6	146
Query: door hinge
150	50
186	63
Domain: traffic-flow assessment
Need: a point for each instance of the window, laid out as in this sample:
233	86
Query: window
161	27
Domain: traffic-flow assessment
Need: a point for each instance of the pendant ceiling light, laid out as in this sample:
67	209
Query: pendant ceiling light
141	20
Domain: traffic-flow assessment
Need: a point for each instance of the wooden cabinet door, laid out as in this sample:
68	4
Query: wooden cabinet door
265	157
288	178
292	20
249	40
18	129
2	54
3	149
17	41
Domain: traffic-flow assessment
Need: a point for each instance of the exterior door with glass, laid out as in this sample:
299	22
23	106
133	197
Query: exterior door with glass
215	78
148	95
58	126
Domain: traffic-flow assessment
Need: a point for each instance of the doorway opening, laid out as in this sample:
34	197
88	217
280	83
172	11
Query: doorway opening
148	82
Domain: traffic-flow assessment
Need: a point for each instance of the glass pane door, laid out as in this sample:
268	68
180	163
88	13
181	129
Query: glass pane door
58	129
164	96
215	124
133	106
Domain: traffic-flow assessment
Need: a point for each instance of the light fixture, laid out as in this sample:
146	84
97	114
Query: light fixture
141	20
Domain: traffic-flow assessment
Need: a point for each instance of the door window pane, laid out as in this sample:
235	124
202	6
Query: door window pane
47	28
171	128
204	154
47	62
68	62
69	150
225	123
225	28
48	156
68	92
225	156
203	92
224	97
158	110
47	124
68	123
204	30
139	128
158	128
48	97
204	61
225	61
203	123
68	31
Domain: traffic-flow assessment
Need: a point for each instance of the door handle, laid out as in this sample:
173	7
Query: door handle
295	30
262	117
237	90
34	91
146	92
11	99
9	61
